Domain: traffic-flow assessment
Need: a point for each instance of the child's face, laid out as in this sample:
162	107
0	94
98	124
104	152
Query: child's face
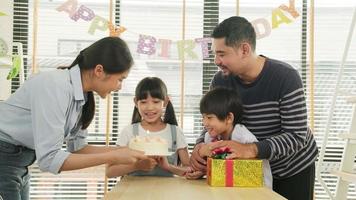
150	109
215	126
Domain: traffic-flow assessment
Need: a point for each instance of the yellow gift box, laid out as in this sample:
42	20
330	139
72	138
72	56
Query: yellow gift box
235	173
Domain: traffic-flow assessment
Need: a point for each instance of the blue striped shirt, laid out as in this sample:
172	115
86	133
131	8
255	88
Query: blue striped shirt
43	114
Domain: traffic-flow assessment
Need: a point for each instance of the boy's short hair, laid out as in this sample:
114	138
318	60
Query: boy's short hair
221	101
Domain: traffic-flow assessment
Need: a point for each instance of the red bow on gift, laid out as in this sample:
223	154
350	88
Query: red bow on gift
221	153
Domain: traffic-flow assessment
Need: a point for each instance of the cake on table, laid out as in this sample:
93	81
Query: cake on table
150	145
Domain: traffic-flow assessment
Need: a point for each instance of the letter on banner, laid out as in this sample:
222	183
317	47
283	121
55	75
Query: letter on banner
69	6
277	13
83	12
165	45
115	31
204	45
146	45
291	9
98	23
262	28
186	46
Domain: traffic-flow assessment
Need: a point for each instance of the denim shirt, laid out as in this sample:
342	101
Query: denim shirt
43	114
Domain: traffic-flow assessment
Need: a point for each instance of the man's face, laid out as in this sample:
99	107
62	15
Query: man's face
228	59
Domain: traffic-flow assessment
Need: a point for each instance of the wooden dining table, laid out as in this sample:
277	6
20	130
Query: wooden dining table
177	188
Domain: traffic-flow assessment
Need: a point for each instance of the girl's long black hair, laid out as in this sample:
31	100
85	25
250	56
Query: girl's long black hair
157	89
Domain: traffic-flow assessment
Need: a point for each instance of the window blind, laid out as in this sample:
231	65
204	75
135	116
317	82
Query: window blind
59	48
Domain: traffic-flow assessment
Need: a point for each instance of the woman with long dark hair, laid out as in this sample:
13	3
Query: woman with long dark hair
56	107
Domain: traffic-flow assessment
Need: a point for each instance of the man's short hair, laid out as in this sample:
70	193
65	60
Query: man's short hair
236	30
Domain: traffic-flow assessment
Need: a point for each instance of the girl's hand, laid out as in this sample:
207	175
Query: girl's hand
146	164
194	175
125	155
163	162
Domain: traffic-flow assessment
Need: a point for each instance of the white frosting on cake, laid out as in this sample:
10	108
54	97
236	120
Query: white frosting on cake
150	145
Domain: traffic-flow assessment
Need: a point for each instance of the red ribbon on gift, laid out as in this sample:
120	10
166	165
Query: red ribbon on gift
229	173
221	153
221	150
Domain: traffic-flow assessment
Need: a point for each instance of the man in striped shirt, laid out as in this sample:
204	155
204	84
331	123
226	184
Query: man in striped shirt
274	109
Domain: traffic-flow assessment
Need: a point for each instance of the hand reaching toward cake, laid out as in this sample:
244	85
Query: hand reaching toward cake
125	156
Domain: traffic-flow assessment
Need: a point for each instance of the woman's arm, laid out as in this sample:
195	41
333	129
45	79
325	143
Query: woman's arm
122	169
90	149
120	156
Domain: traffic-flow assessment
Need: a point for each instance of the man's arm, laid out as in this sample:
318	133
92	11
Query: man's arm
293	114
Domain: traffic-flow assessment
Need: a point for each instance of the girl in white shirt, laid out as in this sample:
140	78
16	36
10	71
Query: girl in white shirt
154	115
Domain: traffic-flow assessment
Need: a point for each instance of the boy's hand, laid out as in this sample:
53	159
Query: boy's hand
237	149
205	150
196	161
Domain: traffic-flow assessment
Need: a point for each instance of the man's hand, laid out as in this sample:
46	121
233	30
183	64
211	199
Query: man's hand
196	161
237	149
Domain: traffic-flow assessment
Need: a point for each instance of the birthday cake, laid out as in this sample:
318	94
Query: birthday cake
150	145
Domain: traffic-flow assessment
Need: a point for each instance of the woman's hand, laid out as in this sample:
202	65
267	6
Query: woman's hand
125	155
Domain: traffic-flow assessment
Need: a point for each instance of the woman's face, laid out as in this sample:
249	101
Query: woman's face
110	83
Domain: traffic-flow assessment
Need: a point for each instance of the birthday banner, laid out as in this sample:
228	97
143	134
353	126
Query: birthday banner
151	45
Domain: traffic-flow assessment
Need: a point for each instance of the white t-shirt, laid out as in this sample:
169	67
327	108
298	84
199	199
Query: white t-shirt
243	135
127	133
